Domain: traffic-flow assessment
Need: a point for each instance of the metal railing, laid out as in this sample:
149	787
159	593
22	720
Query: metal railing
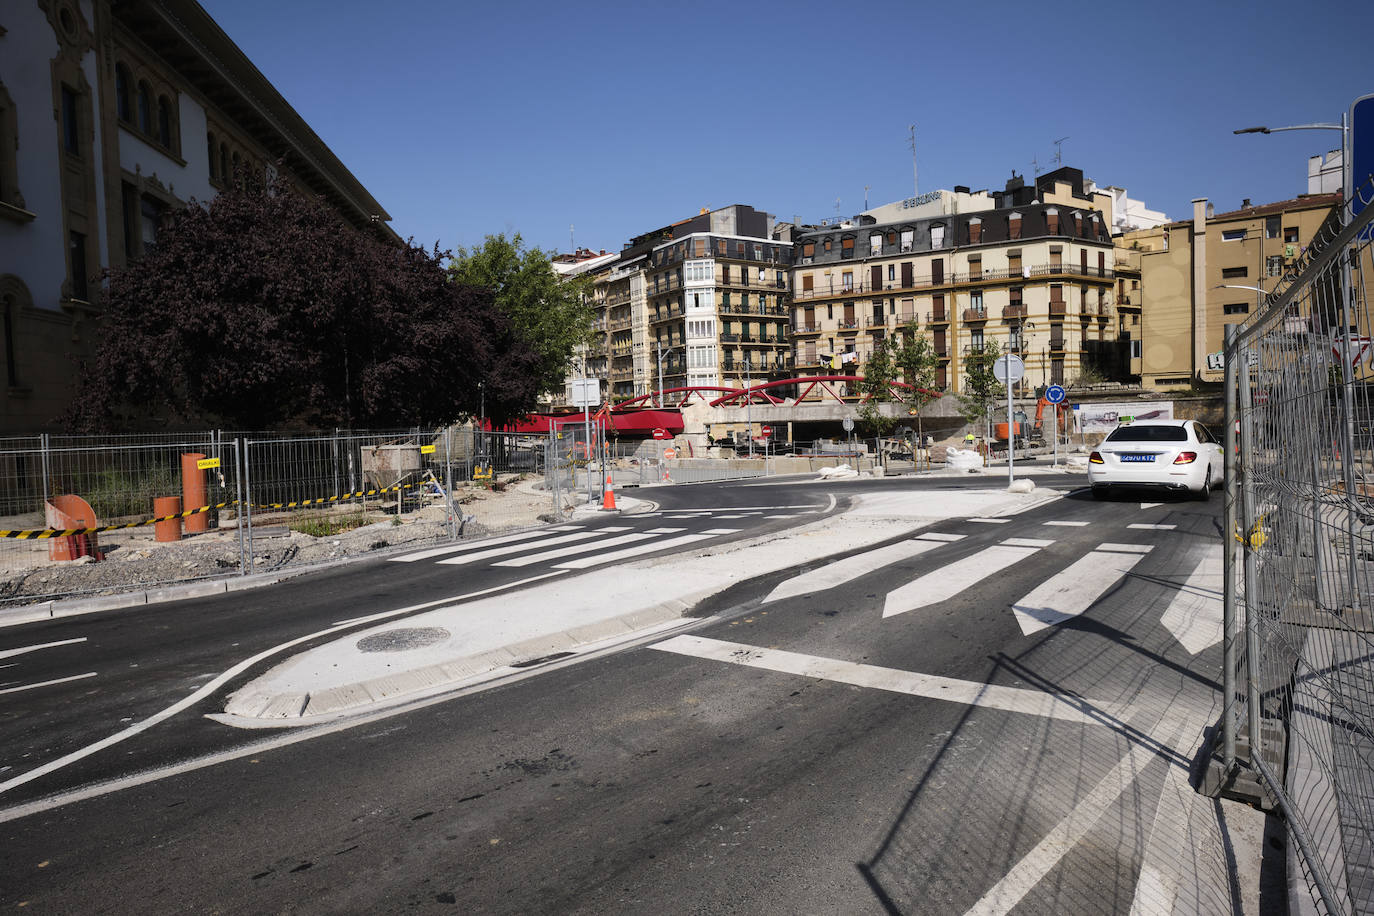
1299	535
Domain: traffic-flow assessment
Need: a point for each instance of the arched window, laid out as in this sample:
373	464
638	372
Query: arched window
123	104
145	108
214	155
224	174
164	121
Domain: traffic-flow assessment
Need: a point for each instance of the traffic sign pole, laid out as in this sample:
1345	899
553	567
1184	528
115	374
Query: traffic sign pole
1008	370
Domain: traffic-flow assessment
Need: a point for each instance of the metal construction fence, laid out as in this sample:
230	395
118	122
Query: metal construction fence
88	515
1299	560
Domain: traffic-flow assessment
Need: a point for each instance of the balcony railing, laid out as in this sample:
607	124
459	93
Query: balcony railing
862	287
1056	343
1013	311
975	314
1059	308
938	316
850	325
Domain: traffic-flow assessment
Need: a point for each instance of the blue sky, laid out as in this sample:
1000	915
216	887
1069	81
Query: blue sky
468	119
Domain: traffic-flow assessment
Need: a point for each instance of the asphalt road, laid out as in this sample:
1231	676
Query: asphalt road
842	749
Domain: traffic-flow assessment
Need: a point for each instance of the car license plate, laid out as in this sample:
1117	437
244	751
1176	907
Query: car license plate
1137	457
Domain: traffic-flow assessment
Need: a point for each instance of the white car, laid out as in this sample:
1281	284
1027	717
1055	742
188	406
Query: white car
1177	455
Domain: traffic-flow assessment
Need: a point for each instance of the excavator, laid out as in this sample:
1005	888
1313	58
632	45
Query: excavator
1065	417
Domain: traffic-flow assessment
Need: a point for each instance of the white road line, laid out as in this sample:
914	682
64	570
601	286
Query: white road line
1006	894
851	568
721	531
1144	527
1194	615
991	521
1169	839
952	578
940	536
547	555
7	653
477	545
734	515
912	683
516	548
1125	548
60	680
1068	524
617	555
211	686
1150	505
1027	542
1069	593
788	515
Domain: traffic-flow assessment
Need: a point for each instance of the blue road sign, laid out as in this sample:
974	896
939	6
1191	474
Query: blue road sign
1054	394
1361	152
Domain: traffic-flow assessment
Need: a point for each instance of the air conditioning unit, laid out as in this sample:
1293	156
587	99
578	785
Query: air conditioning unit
806	260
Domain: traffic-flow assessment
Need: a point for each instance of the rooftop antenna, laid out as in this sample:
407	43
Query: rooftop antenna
572	246
1035	164
837	209
1058	150
866	187
915	182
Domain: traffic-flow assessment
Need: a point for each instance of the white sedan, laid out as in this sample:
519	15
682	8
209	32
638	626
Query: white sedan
1175	455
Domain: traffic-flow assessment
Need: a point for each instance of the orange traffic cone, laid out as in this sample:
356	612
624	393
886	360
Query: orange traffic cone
608	500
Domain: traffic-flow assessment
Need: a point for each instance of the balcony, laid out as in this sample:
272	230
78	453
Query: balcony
939	316
848	327
1013	311
975	315
1056	343
1060	308
802	330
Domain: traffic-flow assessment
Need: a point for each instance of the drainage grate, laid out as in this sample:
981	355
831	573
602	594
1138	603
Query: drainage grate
543	659
403	639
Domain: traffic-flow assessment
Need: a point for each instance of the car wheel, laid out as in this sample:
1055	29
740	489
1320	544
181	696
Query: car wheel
1204	494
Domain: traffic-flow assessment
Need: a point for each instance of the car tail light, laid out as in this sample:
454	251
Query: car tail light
1186	458
1095	458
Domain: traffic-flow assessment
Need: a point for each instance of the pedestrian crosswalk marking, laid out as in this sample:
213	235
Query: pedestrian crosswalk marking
638	550
1027	542
1194	615
570	550
851	568
953	578
991	521
1144	527
1068	524
940	536
1125	548
477	545
516	548
1069	593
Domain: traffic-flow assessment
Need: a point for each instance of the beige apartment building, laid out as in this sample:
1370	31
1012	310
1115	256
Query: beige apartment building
1034	273
1198	276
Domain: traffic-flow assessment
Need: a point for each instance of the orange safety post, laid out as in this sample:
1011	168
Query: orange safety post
70	511
193	492
169	530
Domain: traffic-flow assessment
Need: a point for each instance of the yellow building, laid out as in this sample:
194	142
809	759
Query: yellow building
1198	276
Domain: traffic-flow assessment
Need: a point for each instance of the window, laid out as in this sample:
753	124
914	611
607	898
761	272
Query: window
937	236
892	236
809	250
80	286
908	239
875	244
847	280
1014	226
976	338
1231	273
164	122
1236	308
150	213
808	283
975	299
1274	265
700	271
1271	227
1052	220
224	173
1233	235
145	108
847	247
826	244
1290	234
124	106
975	230
71	135
214	161
1015	294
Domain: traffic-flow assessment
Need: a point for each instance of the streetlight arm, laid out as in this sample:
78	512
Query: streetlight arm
1271	130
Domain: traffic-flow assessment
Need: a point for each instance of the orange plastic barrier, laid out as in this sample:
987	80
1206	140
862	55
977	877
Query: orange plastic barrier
193	493
169	530
70	511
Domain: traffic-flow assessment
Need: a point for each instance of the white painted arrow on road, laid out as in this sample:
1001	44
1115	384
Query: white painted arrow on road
1194	615
955	577
1071	592
851	568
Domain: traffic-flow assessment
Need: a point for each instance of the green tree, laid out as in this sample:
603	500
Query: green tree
878	375
918	361
550	312
980	390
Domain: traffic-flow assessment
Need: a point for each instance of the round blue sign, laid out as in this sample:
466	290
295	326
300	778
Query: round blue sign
1054	394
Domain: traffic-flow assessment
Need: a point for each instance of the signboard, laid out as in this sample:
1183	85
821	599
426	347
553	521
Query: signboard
427	449
669	453
848	425
1361	153
662	433
1104	417
767	431
1054	394
586	392
1008	369
207	463
1354	348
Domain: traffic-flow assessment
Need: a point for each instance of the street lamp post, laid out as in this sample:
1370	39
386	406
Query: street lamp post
659	345
748	403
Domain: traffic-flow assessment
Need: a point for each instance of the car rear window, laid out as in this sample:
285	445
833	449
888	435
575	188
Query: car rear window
1148	434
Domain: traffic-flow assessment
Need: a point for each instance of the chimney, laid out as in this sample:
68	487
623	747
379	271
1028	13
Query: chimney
1245	204
603	251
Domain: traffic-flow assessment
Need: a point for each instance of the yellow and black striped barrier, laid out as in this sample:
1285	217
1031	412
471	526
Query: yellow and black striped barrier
43	533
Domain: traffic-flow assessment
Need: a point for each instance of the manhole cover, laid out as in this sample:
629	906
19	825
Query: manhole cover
403	639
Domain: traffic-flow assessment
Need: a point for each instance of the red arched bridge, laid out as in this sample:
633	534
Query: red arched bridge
661	409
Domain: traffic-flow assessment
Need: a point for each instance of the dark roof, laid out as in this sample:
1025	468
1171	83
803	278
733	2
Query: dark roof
1303	202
